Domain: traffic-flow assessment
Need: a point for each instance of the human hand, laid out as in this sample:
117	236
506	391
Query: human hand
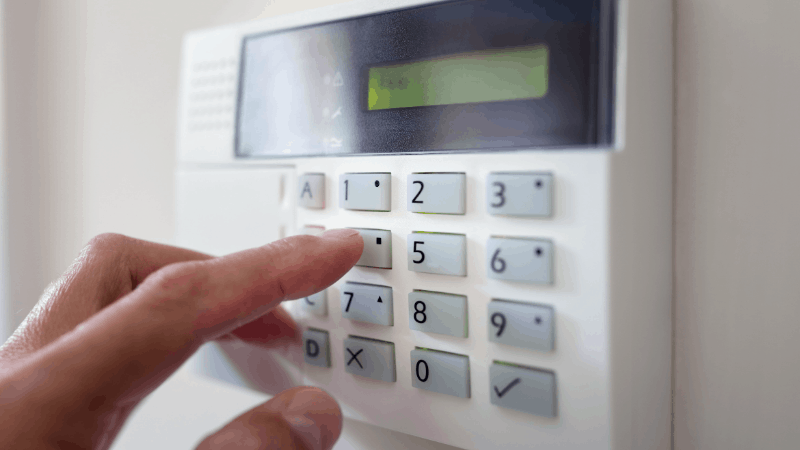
128	313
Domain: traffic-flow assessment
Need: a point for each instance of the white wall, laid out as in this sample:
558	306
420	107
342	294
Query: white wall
737	266
90	105
91	96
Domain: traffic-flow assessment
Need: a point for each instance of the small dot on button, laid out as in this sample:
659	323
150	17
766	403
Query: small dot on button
377	183
538	184
538	251
378	241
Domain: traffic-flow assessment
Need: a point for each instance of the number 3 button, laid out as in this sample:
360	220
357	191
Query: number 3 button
527	194
520	259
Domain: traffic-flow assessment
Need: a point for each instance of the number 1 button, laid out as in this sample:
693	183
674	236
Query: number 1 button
365	191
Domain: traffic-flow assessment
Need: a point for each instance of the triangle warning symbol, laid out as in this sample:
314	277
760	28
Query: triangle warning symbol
380	300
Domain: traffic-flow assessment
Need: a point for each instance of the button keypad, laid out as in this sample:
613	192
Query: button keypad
445	373
316	304
521	325
370	358
512	323
520	259
316	348
367	303
312	190
437	193
520	194
365	191
434	312
439	253
377	248
523	388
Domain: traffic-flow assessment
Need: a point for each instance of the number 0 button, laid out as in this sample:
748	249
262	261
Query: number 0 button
442	372
520	259
440	253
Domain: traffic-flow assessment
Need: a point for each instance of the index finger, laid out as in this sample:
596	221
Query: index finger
126	350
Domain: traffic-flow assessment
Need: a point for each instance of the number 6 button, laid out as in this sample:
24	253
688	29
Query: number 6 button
520	259
440	253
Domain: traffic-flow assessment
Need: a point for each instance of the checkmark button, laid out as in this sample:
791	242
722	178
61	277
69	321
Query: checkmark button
507	388
521	388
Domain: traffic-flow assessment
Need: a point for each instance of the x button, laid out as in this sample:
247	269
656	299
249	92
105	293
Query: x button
354	357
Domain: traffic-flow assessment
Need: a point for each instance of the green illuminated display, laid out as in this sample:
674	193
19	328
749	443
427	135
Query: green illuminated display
481	76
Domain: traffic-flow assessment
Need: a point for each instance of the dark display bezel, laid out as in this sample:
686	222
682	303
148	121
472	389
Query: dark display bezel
577	111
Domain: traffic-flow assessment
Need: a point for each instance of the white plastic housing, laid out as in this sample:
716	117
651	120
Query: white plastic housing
611	227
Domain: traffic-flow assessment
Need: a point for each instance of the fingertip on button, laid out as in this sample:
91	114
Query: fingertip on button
340	233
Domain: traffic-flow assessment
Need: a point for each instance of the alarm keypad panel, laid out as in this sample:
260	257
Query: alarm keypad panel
518	324
508	165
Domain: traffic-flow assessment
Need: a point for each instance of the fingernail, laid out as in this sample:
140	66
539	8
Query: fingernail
314	417
341	233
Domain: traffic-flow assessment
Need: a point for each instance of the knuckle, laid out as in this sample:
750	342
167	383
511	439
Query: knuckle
108	241
179	285
107	248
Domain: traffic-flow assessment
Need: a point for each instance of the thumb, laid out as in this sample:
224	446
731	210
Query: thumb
298	418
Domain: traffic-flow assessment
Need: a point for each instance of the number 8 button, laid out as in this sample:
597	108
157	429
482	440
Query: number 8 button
520	259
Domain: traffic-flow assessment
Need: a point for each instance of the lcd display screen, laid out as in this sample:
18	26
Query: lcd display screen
466	75
494	75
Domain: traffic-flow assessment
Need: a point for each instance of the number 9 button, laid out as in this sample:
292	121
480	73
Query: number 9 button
520	259
521	325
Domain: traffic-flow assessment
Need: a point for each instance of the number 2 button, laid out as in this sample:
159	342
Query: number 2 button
440	193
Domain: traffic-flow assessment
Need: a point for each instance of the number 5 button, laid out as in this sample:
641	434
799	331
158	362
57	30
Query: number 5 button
441	193
520	259
440	253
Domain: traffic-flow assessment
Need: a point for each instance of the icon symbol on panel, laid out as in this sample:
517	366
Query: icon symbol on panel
501	393
338	80
306	189
312	348
354	357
